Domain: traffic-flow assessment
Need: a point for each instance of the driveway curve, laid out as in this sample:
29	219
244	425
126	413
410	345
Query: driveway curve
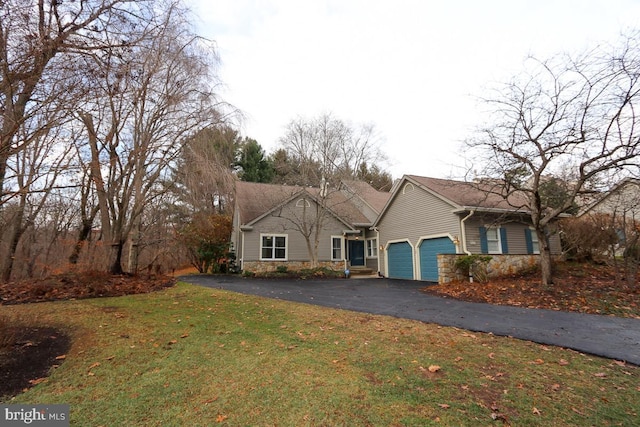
606	336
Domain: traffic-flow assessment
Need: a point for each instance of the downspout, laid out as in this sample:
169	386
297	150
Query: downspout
242	254
464	232
378	248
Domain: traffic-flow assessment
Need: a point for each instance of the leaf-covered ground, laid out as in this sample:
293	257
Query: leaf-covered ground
75	285
584	288
578	287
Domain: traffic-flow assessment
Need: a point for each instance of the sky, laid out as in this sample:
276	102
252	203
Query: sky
414	69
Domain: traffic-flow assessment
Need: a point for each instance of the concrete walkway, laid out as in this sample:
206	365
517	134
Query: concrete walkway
611	337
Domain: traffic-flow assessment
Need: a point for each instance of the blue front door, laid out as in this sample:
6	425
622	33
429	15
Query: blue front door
356	252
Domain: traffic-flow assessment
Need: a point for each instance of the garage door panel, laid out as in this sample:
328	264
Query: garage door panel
400	261
429	250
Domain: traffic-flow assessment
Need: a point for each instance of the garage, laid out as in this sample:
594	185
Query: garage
429	250
400	261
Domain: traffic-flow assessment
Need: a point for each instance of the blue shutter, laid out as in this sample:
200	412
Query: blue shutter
528	240
503	240
484	246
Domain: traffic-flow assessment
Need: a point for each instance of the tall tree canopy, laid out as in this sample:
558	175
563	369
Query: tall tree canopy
327	148
254	165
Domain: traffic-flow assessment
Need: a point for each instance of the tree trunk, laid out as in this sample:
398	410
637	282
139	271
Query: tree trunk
83	235
116	256
546	263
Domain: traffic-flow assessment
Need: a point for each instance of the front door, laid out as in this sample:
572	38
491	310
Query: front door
356	252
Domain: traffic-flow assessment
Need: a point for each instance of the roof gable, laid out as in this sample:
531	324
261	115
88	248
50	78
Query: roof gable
460	195
254	201
482	195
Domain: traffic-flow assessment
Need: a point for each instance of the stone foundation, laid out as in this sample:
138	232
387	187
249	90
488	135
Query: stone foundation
265	266
500	265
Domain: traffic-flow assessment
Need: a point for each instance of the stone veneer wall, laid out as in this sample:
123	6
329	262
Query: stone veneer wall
500	265
265	266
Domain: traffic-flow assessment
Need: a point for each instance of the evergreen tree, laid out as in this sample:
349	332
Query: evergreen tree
254	166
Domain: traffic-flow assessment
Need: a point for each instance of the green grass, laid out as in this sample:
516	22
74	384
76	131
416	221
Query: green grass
200	357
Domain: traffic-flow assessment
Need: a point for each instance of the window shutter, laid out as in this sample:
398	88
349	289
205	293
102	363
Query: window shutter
484	246
503	241
528	240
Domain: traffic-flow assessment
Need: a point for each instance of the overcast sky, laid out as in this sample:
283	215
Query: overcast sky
413	68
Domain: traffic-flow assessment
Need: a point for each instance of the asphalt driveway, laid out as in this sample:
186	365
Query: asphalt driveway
612	337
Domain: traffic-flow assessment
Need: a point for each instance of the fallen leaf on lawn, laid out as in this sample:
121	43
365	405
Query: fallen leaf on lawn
577	412
94	365
497	416
555	387
536	411
172	342
213	399
537	362
434	368
61	357
221	418
110	358
184	335
620	363
563	362
600	375
37	381
444	405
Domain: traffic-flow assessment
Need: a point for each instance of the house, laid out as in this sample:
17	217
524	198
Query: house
428	222
623	200
301	227
615	216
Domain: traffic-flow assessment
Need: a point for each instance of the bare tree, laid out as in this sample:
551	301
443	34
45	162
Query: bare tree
568	117
38	43
329	148
35	171
149	98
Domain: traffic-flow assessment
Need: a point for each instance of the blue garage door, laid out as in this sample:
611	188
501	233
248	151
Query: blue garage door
400	260
429	249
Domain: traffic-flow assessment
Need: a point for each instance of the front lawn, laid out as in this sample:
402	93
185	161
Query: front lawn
196	356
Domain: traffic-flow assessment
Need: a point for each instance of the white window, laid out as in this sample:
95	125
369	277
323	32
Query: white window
534	242
336	248
372	248
493	241
273	247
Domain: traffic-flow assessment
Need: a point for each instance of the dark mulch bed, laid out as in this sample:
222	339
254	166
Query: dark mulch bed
28	353
29	360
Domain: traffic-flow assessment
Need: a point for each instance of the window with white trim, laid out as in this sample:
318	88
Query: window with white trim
493	241
336	248
273	247
372	248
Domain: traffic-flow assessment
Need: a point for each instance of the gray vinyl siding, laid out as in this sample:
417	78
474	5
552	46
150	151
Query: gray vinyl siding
415	214
516	240
296	243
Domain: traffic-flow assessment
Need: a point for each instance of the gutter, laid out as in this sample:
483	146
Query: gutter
464	232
